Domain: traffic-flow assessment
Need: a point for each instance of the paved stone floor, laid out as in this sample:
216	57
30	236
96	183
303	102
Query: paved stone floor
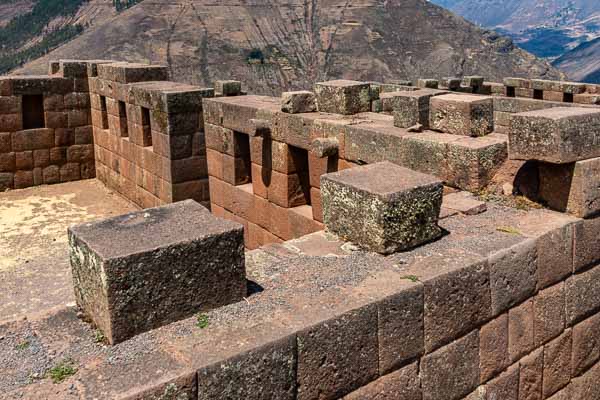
34	266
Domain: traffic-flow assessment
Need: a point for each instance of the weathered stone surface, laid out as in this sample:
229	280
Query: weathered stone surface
572	188
586	249
582	294
338	356
400	328
465	115
325	147
403	384
343	97
586	345
464	202
493	348
559	135
513	275
468	287
586	386
145	269
520	330
428	83
412	108
506	386
450	83
530	376
267	372
382	207
557	364
549	313
228	88
298	102
451	372
555	255
130	72
518	82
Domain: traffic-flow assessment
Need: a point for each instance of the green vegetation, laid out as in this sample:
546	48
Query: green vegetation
121	5
508	229
412	278
202	321
22	29
62	371
23	345
99	336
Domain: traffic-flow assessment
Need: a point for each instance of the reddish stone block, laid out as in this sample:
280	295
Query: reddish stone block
557	364
196	190
302	222
5	142
288	190
64	137
56	119
33	139
186	169
84	135
7	162
287	159
555	256
58	155
10	104
317	204
403	384
51	174
586	244
320	166
11	122
236	170
261	179
217	191
279	223
172	147
586	345
80	153
24	160
214	161
41	158
549	313
242	201
140	135
260	151
530	376
520	330
88	170
23	179
6	180
493	348
37	176
261	214
70	172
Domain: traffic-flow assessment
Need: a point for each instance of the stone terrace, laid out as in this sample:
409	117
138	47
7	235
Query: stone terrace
361	281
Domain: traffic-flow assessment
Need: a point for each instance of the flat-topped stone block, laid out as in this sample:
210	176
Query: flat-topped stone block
382	207
462	114
228	88
412	108
297	102
343	97
428	83
145	269
572	188
132	72
556	135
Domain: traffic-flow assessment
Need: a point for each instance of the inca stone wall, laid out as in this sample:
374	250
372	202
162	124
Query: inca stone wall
45	128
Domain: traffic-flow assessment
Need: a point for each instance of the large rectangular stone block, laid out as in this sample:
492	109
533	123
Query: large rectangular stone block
465	115
382	207
558	135
412	108
343	97
572	188
145	269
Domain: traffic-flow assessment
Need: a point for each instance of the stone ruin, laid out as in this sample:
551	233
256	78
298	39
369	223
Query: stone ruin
346	254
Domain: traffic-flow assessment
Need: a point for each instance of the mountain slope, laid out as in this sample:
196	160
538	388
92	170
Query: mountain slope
272	47
583	62
548	28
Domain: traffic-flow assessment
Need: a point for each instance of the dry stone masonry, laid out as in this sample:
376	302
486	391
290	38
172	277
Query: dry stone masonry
375	270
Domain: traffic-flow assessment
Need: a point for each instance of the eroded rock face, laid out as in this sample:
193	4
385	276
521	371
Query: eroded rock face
343	97
145	269
462	114
382	207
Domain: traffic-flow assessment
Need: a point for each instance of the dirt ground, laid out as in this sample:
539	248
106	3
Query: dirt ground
34	267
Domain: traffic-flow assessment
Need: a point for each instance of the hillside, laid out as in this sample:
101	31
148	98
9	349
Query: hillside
294	44
547	28
31	28
583	62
